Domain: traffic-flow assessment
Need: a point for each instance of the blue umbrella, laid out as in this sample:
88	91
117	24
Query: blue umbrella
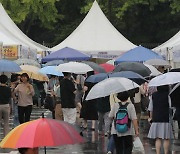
50	70
9	66
97	77
130	75
138	54
66	53
126	74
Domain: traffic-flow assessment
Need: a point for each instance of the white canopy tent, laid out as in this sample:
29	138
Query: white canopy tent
170	50
97	37
7	40
12	31
171	43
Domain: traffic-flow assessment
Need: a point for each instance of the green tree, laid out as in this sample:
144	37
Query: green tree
27	13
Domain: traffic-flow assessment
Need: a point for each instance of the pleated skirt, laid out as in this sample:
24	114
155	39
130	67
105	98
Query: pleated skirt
160	130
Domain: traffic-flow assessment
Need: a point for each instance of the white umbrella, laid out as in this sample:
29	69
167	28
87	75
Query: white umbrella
154	71
74	67
165	79
158	62
110	86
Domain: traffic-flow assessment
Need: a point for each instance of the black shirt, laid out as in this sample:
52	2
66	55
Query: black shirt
67	96
5	95
160	106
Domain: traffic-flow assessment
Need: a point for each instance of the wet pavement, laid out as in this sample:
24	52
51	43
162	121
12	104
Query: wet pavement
97	144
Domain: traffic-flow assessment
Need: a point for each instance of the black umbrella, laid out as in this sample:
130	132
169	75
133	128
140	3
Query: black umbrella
133	66
175	70
95	66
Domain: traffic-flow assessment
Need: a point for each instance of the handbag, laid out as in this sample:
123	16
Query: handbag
49	102
138	146
144	103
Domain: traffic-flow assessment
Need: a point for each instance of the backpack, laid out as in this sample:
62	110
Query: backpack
122	122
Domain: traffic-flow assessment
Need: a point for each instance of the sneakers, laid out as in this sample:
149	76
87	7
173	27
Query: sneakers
109	152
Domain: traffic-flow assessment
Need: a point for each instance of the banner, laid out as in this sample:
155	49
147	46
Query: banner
10	52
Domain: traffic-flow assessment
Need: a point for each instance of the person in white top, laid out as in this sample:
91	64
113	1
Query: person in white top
25	92
124	141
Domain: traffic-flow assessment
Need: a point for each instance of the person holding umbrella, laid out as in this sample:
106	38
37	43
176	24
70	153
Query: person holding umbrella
5	97
67	93
161	128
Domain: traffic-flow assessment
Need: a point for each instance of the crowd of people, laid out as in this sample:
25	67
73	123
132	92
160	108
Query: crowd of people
65	98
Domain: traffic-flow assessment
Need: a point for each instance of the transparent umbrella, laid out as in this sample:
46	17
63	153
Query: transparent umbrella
110	86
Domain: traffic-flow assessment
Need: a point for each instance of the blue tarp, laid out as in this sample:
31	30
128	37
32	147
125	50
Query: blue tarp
138	54
67	54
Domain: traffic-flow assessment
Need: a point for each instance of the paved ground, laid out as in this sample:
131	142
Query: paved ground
97	144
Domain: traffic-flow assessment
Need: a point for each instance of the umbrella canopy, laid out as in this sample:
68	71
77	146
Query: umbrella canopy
50	70
133	66
158	62
138	54
66	53
130	75
41	132
154	71
33	72
126	74
9	66
54	63
110	86
25	61
74	67
165	79
97	77
107	67
95	66
174	95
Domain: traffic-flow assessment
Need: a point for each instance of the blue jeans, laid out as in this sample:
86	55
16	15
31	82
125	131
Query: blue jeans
111	145
15	113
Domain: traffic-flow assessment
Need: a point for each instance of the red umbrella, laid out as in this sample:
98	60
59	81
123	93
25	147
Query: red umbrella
107	67
41	132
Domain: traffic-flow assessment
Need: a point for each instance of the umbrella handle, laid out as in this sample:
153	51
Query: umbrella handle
43	115
45	149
